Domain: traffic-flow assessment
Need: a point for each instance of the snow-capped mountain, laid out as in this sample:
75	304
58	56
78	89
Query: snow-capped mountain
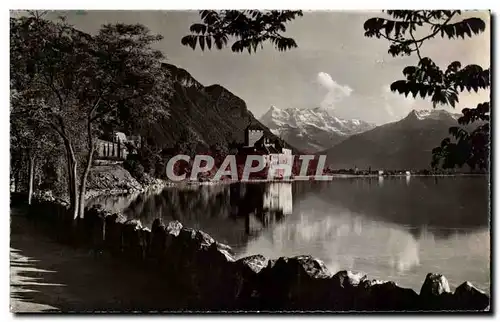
436	114
311	130
405	144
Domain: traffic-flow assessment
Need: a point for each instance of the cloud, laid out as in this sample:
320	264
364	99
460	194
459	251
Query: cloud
336	92
396	105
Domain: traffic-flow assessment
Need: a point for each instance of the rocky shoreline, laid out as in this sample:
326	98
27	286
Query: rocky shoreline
207	273
154	184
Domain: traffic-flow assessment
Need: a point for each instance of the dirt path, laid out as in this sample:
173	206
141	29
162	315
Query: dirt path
47	276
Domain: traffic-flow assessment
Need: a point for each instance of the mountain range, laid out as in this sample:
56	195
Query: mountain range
311	130
205	116
202	116
405	144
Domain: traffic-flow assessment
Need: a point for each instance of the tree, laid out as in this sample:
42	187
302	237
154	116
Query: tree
72	82
249	28
443	87
28	140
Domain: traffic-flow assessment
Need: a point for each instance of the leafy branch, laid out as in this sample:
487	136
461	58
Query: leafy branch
250	28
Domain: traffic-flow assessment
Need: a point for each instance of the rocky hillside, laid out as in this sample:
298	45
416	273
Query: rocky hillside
111	178
311	129
202	116
406	144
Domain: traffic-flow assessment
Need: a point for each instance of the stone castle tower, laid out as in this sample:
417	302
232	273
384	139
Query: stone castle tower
253	133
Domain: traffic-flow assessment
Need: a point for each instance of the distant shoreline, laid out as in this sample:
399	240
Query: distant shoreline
334	176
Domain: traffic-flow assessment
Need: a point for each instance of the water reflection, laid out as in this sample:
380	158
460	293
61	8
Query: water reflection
392	228
261	205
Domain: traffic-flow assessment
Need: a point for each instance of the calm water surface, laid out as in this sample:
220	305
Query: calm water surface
396	229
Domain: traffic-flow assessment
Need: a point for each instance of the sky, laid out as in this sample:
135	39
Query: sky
334	66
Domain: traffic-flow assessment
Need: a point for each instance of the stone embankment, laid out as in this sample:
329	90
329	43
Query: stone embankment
112	179
206	272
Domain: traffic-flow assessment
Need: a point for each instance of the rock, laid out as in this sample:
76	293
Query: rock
131	240
145	241
174	228
156	223
158	242
296	283
345	290
246	282
135	223
434	285
385	296
468	297
348	279
253	264
113	234
95	228
435	294
214	269
225	247
199	267
203	239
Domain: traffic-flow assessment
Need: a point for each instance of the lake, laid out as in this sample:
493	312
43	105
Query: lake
393	228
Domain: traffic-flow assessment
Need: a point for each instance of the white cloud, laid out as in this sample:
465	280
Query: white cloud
396	105
336	92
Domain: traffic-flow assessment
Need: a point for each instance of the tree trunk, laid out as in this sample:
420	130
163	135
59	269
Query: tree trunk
31	175
72	175
16	180
74	196
83	184
83	179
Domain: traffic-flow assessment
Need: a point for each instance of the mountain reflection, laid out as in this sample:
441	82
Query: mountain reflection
397	228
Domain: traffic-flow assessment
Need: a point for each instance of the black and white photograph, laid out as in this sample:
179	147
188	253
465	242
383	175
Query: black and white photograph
250	161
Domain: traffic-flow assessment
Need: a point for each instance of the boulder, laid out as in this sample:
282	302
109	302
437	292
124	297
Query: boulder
296	283
348	279
213	269
95	224
225	247
145	241
200	267
385	296
345	291
203	240
469	298
131	240
246	282
435	294
434	285
158	242
174	228
113	234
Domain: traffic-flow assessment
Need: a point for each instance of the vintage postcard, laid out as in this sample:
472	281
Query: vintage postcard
250	161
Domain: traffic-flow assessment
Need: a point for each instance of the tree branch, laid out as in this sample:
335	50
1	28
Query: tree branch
419	40
417	46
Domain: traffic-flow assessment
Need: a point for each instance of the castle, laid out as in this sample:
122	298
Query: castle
273	149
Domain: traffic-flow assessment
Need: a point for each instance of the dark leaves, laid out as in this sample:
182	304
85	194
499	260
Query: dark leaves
428	80
480	113
466	27
470	148
402	29
250	29
442	87
190	41
198	28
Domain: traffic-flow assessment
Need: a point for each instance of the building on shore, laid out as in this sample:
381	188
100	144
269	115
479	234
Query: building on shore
119	148
273	150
